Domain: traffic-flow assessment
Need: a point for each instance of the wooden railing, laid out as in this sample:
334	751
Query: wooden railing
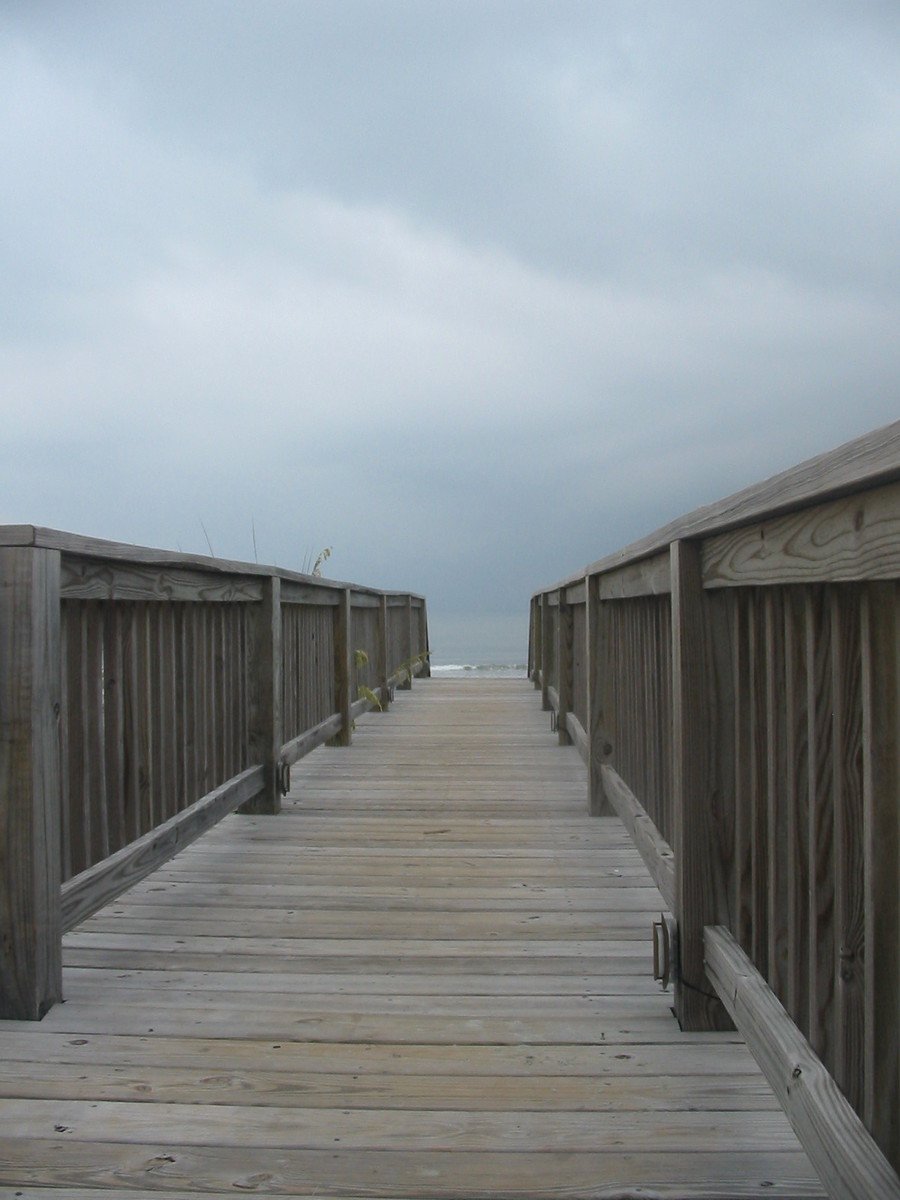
733	683
146	694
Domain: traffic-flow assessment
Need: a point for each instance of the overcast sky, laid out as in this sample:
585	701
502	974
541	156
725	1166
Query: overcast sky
473	292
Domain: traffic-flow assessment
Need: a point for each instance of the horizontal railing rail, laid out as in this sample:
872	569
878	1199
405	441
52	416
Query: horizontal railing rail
146	694
733	684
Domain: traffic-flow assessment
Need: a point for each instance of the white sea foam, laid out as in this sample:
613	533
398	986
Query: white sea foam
479	670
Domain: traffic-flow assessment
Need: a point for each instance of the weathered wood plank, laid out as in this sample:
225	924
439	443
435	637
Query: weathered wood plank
880	682
266	721
699	790
325	731
831	1132
96	886
847	540
564	652
88	579
646	577
420	1175
437	964
30	698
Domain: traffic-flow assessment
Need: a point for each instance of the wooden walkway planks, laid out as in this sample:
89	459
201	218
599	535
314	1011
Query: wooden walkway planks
429	977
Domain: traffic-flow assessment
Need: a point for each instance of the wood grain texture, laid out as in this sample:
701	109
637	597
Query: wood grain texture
266	729
847	540
88	579
597	670
30	698
849	889
651	845
646	577
831	1132
547	648
565	633
299	588
429	977
880	682
96	886
700	793
343	686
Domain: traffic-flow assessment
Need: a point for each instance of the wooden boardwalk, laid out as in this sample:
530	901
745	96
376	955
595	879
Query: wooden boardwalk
430	977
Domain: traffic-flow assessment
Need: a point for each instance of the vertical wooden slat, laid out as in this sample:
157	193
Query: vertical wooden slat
596	669
742	879
536	641
546	650
247	622
183	680
220	720
144	718
266	730
821	824
73	829
288	672
131	707
168	713
342	669
404	652
880	640
650	746
198	702
207	669
564	635
80	778
114	726
156	759
95	761
383	652
759	816
662	666
700	794
848	843
796	761
30	701
423	646
65	840
777	864
236	614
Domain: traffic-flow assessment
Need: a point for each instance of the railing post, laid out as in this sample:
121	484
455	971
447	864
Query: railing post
700	877
30	800
536	644
266	734
599	745
406	684
342	670
384	666
422	641
565	636
546	633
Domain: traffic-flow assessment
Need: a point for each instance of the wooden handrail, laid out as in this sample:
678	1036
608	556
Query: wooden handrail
145	694
735	691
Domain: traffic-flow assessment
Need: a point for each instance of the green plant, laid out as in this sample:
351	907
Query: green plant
366	693
405	670
361	658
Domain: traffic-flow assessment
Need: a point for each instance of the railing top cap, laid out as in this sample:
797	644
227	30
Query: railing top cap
147	556
866	462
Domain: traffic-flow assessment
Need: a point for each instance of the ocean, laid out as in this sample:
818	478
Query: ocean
475	646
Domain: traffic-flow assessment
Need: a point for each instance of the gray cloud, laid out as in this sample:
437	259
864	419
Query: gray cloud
473	292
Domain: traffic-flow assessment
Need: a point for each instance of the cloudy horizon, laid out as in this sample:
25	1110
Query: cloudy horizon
473	293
